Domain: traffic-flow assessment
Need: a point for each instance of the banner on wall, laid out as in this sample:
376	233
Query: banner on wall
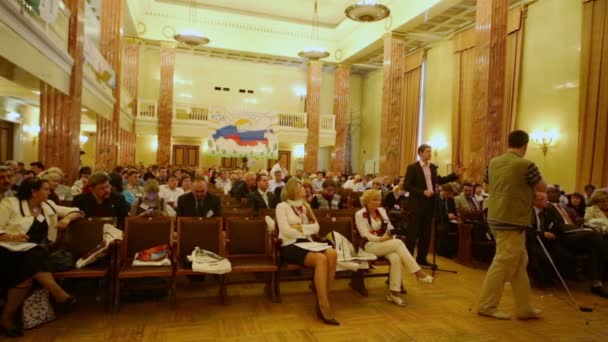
243	135
95	60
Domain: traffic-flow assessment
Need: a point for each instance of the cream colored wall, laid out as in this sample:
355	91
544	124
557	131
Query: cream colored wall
144	151
89	149
549	87
29	143
437	115
371	113
355	101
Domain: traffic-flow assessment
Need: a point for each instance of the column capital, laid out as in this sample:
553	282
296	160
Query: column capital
132	40
315	62
343	66
168	45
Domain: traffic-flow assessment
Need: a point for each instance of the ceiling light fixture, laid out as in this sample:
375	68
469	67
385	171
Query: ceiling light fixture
367	11
314	53
191	37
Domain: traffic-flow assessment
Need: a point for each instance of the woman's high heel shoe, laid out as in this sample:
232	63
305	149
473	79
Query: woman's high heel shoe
325	320
426	280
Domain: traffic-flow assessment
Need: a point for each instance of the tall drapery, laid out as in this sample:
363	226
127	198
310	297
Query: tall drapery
411	108
592	166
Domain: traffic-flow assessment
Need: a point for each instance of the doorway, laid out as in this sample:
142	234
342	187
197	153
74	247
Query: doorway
185	155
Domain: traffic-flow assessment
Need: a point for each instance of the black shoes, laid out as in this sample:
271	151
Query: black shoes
331	321
599	290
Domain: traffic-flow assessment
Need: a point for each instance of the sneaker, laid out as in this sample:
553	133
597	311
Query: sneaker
395	299
534	314
497	315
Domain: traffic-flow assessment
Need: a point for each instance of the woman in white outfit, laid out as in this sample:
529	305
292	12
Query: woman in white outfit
374	226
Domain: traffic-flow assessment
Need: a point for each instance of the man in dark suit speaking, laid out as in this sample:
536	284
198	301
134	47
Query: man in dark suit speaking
199	202
421	181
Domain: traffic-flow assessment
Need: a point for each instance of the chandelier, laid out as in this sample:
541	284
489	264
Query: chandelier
314	53
367	11
191	37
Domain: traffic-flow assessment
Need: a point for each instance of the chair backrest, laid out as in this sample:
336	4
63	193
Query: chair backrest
145	232
231	211
267	212
205	233
226	200
354	199
83	235
342	225
247	236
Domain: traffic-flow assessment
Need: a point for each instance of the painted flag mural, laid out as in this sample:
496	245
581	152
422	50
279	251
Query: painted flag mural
243	135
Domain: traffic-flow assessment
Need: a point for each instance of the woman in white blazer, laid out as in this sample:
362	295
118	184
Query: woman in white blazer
374	226
28	223
297	222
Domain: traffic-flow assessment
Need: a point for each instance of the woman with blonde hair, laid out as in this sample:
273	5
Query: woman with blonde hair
596	214
297	223
374	226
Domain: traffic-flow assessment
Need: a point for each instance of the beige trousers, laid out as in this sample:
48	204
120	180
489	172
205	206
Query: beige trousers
509	264
394	250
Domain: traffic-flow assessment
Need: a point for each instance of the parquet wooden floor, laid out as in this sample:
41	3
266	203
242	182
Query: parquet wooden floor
437	312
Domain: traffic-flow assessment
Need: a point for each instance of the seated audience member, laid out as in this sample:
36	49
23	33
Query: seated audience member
53	178
185	183
6	177
310	195
358	185
262	198
132	189
279	167
465	201
278	189
317	183
223	182
342	181
448	222
596	214
199	202
17	176
170	192
576	203
277	181
241	189
549	224
386	186
28	174
554	198
471	211
589	189
101	201
32	218
478	195
83	177
327	199
374	226
151	203
299	174
349	182
297	223
37	167
163	174
392	201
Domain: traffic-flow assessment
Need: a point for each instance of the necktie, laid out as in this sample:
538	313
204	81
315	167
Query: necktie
265	198
565	215
541	221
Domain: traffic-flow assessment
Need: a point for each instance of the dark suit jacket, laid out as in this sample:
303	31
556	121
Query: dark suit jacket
415	183
256	201
114	206
186	206
389	201
447	206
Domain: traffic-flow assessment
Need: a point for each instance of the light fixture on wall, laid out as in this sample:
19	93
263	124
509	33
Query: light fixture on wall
154	143
314	53
544	139
367	11
191	37
13	116
83	139
33	131
437	142
299	151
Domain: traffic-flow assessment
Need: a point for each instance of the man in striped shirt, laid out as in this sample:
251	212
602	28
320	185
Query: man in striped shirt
512	182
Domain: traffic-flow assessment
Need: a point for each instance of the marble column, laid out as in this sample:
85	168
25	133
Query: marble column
131	83
392	106
341	95
165	104
488	138
60	114
111	49
104	144
314	76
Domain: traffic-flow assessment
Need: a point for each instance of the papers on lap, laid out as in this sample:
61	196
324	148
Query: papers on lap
313	246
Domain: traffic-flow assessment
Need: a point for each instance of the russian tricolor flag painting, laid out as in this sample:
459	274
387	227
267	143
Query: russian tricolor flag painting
244	135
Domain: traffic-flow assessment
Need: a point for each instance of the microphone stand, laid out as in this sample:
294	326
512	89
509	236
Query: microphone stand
437	203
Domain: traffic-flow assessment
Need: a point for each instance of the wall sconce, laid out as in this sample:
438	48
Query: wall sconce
300	91
544	139
154	143
437	142
299	151
33	131
83	139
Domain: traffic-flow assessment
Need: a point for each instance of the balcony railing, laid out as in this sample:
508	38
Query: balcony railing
148	111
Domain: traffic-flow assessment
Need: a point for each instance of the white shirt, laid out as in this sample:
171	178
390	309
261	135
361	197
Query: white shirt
317	184
170	195
286	218
222	184
348	184
273	185
364	228
359	187
264	196
277	167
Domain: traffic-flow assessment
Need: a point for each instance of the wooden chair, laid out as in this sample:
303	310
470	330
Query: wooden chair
205	233
249	248
353	200
81	237
231	211
465	238
142	233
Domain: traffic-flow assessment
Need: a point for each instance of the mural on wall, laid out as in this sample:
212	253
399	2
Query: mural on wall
243	135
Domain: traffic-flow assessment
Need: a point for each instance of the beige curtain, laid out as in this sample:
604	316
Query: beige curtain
462	102
411	108
593	111
515	32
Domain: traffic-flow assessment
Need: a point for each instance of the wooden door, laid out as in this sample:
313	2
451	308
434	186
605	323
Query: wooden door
286	156
230	163
6	140
185	155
